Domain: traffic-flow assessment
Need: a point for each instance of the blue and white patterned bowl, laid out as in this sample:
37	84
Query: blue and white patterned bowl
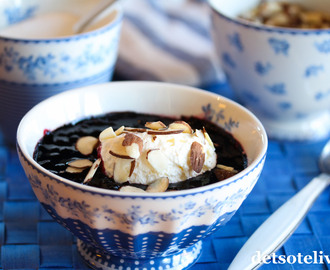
128	231
281	74
32	69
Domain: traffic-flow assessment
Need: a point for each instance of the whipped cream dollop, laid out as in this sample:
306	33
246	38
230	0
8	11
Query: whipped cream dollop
141	156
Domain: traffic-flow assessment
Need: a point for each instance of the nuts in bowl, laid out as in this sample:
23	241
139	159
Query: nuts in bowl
134	209
179	154
286	14
280	72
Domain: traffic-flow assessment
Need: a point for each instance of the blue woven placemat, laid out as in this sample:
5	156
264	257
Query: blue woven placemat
30	239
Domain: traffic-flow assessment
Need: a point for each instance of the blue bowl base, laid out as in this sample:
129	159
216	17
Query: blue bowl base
99	260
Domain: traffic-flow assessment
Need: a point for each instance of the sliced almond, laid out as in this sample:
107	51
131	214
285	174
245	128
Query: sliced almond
199	134
80	163
227	168
181	125
159	185
119	155
74	170
122	170
86	145
130	138
92	171
157	160
197	157
119	130
133	151
117	149
131	189
155	125
208	139
139	130
132	168
133	145
164	132
108	133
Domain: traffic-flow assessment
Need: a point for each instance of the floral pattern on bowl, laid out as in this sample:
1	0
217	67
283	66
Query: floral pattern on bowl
163	230
32	70
281	74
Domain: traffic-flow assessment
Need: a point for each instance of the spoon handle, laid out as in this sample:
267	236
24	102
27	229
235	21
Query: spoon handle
101	6
272	234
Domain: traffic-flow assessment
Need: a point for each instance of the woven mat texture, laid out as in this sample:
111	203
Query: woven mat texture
30	239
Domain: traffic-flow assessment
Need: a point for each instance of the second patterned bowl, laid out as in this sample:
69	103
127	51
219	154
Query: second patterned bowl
281	74
36	65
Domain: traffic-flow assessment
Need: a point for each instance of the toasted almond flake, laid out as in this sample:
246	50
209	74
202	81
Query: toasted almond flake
159	185
131	189
122	170
199	134
139	130
74	170
164	132
130	138
119	130
133	151
86	145
150	151
155	125
208	138
117	149
119	155
132	168
157	160
92	171
227	168
181	125
108	133
80	163
133	145
197	157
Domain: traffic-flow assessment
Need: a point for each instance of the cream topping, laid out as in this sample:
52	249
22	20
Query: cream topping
143	156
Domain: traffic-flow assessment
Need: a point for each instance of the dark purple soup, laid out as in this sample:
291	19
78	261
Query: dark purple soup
58	147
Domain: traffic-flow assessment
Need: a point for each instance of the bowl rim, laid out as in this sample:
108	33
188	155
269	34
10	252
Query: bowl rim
260	157
76	37
266	28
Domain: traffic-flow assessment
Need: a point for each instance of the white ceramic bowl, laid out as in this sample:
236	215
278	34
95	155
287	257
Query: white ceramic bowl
154	231
281	74
32	69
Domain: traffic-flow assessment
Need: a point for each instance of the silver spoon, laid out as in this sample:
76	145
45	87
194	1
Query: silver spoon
86	19
273	233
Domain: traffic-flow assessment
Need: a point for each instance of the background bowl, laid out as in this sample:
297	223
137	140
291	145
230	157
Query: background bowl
154	231
32	69
281	74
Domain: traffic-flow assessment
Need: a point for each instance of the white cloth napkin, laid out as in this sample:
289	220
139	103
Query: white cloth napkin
170	41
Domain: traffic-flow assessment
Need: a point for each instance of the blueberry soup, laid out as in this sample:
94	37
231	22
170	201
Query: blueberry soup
136	152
